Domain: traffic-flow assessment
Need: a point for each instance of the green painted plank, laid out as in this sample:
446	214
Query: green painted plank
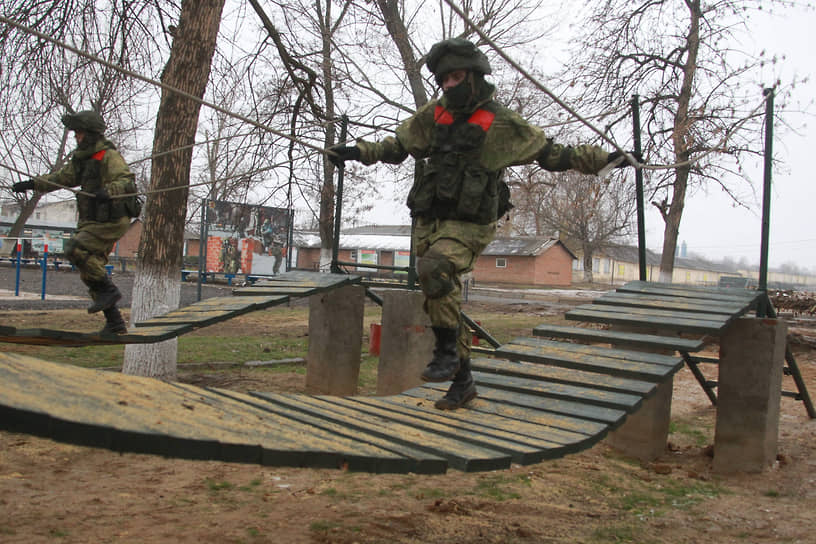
443	427
740	295
585	420
563	375
53	337
671	303
459	453
132	413
312	279
272	290
388	458
658	315
290	407
586	395
197	319
635	370
237	303
487	420
568	408
620	337
671	361
594	314
520	440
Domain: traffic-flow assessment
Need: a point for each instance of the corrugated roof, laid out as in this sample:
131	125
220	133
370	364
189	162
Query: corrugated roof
388	230
528	246
357	241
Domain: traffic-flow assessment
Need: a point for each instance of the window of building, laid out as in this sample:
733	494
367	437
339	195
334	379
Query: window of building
607	266
353	255
501	262
596	264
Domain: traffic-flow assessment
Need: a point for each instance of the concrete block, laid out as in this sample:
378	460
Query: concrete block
335	341
644	434
406	342
752	353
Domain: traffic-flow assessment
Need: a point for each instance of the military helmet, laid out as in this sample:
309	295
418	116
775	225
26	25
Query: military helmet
88	121
456	54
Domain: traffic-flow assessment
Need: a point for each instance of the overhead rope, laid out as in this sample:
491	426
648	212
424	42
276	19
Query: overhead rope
164	86
586	122
540	85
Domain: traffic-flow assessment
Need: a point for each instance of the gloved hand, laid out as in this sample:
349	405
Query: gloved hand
102	194
23	186
617	154
342	153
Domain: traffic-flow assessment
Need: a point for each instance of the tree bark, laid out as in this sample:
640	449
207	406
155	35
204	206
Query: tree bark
399	35
682	126
157	286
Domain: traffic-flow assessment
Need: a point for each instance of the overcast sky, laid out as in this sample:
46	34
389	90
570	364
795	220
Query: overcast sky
711	225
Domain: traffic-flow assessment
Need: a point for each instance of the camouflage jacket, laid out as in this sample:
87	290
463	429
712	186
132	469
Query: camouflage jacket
101	166
511	141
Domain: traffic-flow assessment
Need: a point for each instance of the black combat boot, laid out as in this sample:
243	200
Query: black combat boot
114	324
105	295
445	361
461	391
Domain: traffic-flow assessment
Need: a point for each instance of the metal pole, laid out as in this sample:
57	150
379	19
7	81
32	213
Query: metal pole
766	196
202	247
44	269
641	219
17	279
290	236
338	207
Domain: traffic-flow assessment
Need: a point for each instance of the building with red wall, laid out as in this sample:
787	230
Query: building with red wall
525	261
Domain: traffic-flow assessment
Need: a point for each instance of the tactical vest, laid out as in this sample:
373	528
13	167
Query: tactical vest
453	184
88	173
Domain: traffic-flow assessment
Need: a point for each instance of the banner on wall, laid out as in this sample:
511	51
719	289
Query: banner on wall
403	260
246	239
366	256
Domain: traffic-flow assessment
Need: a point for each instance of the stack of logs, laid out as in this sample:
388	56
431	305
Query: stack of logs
798	308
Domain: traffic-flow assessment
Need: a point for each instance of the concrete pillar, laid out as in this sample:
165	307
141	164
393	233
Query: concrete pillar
644	434
752	353
335	341
406	342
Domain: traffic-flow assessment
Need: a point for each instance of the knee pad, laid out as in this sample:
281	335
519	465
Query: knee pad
436	275
74	252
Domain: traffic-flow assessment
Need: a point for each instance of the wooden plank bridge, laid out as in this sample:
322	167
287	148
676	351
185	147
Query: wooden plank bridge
538	398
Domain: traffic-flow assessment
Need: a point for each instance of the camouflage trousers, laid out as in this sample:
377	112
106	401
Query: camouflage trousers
90	245
459	243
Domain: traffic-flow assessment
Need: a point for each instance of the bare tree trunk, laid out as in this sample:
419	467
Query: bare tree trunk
682	125
157	287
26	209
327	192
588	251
399	35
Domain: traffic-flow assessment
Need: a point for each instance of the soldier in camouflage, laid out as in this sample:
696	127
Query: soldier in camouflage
465	141
101	173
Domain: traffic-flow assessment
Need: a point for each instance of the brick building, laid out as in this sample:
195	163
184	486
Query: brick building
525	261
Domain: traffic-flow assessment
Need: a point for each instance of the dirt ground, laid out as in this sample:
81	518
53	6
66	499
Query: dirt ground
53	492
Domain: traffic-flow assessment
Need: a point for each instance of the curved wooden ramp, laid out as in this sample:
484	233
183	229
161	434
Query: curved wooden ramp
525	413
264	294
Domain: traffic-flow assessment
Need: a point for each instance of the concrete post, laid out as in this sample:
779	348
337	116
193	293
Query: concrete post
644	434
335	341
752	353
406	342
